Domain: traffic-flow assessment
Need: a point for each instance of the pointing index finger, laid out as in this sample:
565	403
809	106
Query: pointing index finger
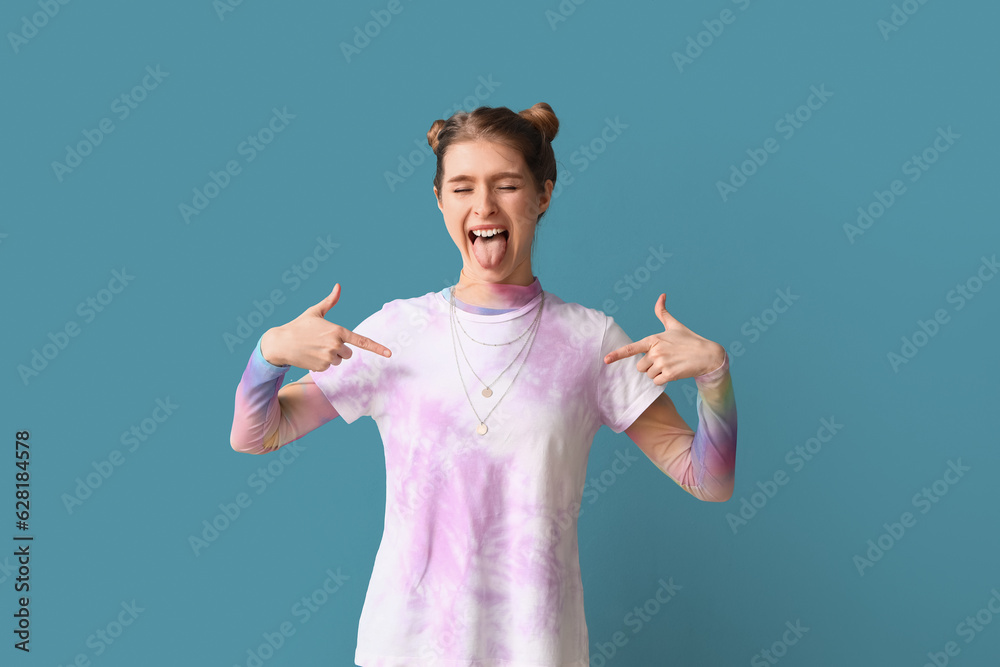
620	353
626	351
366	343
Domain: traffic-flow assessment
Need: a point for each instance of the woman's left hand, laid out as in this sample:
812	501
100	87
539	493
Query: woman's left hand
674	354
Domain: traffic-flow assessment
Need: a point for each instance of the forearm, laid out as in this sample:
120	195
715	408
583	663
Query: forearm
713	446
257	412
268	416
701	461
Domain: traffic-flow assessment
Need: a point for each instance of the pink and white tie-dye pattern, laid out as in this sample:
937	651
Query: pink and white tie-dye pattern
479	561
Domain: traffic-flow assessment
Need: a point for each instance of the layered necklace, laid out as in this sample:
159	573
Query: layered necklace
487	392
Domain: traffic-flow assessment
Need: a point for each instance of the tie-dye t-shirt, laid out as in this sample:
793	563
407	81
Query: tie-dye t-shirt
478	562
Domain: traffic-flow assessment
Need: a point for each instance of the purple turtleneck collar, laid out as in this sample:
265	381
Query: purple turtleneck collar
508	297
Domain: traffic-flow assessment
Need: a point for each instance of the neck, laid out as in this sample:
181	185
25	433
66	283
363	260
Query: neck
512	294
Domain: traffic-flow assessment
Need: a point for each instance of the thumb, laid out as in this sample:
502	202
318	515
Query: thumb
661	312
326	304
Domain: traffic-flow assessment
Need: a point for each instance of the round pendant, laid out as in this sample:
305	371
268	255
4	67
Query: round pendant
487	392
481	429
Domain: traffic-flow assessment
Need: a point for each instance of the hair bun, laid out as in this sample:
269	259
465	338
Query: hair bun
432	134
542	117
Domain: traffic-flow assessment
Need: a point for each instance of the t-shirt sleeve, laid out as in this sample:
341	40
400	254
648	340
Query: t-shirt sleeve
352	386
623	393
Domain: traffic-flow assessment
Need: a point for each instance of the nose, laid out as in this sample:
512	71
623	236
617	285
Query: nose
484	204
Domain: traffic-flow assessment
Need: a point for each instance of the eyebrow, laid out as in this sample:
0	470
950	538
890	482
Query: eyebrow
503	174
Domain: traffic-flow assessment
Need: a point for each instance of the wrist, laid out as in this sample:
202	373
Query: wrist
717	358
268	347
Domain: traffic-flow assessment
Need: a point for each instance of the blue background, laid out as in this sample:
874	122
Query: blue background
683	128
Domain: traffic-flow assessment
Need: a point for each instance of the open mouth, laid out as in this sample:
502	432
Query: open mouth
473	238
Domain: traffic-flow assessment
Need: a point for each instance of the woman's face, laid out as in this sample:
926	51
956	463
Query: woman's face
488	186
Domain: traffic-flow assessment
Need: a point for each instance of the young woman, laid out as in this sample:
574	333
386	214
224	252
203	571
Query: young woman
487	400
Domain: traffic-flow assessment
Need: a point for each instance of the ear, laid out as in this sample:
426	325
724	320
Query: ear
545	198
437	198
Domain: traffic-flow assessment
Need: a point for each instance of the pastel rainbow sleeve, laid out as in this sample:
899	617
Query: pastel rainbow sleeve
703	461
257	411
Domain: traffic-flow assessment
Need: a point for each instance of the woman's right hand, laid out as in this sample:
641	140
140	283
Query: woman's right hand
312	343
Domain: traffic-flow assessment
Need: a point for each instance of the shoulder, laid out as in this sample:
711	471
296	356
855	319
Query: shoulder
587	323
422	303
573	309
411	311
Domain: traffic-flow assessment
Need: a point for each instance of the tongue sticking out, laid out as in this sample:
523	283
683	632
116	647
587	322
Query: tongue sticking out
490	251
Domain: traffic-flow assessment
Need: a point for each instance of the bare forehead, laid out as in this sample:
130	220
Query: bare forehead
469	160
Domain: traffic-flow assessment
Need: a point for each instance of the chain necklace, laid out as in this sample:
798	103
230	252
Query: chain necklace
487	392
523	333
